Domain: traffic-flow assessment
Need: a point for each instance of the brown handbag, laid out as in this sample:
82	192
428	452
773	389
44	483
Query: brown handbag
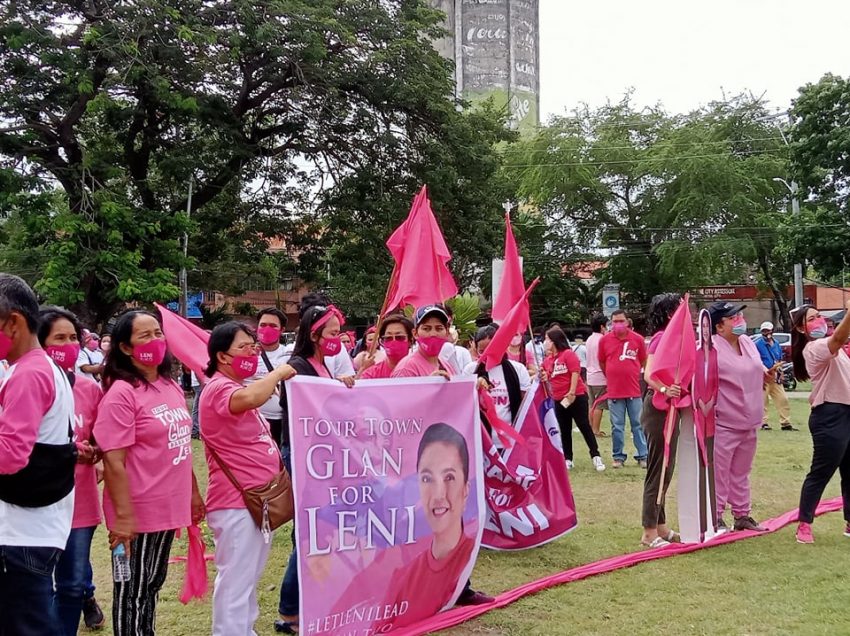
270	505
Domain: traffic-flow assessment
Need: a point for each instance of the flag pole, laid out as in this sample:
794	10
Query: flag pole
383	312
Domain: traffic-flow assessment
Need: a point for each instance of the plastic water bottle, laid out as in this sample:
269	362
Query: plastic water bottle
120	564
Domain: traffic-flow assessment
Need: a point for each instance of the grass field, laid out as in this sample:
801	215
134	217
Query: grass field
767	585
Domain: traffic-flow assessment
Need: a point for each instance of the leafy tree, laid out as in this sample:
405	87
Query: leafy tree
119	105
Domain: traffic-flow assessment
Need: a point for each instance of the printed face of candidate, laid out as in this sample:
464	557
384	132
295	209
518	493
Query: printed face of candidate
442	489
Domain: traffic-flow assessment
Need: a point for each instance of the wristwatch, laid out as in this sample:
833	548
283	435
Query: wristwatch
663	389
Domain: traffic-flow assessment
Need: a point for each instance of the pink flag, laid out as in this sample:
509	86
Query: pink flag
421	275
512	287
195	581
187	342
675	359
495	351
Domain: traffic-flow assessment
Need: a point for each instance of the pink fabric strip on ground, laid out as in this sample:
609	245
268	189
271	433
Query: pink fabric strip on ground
458	615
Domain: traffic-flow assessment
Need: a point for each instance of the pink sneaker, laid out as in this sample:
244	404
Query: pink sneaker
804	533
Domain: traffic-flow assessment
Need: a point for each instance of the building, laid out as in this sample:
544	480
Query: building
495	47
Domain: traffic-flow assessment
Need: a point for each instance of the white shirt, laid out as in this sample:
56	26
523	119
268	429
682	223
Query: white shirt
533	349
499	392
87	358
581	351
595	377
271	409
456	356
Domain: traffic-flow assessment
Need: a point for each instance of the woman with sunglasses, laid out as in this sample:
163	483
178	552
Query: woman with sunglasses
317	341
396	337
823	360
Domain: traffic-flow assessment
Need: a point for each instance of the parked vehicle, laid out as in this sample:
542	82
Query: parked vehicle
788	379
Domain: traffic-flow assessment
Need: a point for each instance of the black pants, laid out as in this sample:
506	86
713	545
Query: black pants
276	429
134	602
577	411
829	424
652	422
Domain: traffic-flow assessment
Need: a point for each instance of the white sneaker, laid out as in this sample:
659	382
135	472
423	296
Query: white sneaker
569	464
597	464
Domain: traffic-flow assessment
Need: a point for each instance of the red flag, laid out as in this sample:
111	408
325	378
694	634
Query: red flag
187	342
421	275
674	360
495	351
512	287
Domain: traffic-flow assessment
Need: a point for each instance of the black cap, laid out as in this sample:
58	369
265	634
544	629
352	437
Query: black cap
431	310
722	309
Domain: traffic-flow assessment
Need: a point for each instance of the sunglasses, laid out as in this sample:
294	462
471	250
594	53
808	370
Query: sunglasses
397	338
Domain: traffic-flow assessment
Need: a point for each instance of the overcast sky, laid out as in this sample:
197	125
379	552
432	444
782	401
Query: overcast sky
685	53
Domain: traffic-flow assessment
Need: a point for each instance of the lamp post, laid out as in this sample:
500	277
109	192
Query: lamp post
798	267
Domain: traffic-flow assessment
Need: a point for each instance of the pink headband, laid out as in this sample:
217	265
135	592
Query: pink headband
330	313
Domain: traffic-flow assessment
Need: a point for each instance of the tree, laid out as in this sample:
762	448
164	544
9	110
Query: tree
671	202
119	105
820	154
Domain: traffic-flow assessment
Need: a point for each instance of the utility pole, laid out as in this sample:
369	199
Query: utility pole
184	277
798	267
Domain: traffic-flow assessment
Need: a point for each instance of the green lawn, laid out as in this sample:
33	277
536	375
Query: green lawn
767	585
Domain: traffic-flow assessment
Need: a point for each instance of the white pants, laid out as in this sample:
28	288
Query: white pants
240	558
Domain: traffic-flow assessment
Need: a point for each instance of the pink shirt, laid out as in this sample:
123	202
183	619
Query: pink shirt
377	371
87	396
321	369
416	365
595	377
740	382
152	423
830	373
242	441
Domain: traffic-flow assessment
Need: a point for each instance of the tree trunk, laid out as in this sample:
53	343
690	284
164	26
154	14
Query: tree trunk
778	292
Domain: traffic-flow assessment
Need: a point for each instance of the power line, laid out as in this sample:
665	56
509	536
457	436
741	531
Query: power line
594	147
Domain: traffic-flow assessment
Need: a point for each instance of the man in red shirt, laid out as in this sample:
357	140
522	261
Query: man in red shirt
622	355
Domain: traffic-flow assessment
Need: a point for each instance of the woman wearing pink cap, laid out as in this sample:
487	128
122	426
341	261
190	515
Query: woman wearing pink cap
825	361
144	429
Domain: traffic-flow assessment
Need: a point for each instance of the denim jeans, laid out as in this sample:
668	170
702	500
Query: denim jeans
72	578
289	585
618	409
196	425
26	590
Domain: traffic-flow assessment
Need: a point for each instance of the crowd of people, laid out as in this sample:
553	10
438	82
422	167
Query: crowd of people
78	408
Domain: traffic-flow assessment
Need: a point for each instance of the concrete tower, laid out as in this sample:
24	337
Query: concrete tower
495	47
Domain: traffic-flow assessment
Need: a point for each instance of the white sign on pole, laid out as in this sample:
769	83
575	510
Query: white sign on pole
498	272
610	299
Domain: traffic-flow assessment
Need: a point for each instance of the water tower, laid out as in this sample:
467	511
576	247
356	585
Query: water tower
495	47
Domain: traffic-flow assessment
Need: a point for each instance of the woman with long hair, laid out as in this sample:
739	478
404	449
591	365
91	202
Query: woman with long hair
824	360
239	445
317	340
562	369
396	338
656	533
144	429
60	333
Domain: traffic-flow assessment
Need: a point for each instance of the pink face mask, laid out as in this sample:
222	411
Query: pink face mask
5	345
431	346
396	349
151	353
91	345
244	366
64	355
619	328
330	346
268	335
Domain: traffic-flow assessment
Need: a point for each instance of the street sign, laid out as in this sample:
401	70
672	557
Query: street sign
610	299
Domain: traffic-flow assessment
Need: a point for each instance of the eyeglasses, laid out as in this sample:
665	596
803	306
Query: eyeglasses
248	347
397	338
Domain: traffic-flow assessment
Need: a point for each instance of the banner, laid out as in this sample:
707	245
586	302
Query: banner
529	499
389	499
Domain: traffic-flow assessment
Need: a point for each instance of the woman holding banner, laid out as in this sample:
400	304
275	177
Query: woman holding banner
239	447
60	333
656	533
563	369
824	360
396	337
145	431
317	342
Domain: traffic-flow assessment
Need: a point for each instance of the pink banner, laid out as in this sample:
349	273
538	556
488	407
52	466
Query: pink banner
529	499
389	499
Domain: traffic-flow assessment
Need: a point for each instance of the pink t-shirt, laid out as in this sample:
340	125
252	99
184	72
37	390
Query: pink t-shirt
152	423
87	396
653	343
416	365
623	360
242	441
740	384
377	371
830	373
595	377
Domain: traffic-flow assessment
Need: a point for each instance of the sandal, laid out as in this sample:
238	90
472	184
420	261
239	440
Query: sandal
657	542
673	537
286	627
